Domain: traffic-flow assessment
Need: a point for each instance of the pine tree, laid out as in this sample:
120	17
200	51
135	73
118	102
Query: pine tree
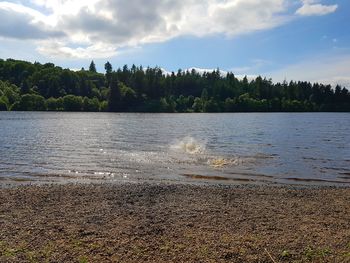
108	68
92	67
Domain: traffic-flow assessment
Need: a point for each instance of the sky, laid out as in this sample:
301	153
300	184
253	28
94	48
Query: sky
279	39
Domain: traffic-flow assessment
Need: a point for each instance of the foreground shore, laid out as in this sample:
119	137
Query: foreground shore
174	223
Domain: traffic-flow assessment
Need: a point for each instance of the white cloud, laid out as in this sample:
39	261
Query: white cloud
99	28
61	49
312	7
21	22
332	69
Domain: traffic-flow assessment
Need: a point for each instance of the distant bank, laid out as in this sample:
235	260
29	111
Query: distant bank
26	86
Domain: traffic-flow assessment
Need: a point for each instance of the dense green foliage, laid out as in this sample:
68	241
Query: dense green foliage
27	86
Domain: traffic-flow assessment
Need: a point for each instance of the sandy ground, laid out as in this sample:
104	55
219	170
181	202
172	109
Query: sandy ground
174	223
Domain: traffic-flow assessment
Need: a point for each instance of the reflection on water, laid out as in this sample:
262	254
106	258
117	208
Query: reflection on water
311	148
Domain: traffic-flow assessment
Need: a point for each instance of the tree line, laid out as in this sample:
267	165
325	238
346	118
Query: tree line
26	86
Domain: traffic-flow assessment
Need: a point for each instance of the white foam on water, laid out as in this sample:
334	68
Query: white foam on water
188	145
189	150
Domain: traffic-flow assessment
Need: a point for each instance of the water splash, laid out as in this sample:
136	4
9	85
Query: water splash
223	162
196	154
189	145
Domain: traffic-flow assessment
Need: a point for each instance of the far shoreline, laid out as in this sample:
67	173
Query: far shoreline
185	113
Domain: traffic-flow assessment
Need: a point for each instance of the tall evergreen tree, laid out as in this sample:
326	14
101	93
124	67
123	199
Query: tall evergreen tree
92	67
108	68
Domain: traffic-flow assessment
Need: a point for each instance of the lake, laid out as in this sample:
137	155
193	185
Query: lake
258	148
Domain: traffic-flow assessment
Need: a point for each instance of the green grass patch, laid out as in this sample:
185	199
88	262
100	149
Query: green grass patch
316	253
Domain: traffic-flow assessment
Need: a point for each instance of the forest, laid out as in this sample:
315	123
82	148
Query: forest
26	86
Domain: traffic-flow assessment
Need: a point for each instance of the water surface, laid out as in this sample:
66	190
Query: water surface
283	148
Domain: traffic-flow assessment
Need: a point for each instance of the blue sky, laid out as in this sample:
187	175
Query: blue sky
281	39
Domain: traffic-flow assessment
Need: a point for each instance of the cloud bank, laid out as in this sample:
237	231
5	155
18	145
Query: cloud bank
100	28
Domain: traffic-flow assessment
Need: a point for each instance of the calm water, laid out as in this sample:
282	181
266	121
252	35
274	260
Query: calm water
311	148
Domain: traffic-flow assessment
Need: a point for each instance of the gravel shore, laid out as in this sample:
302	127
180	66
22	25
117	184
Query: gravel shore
174	223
